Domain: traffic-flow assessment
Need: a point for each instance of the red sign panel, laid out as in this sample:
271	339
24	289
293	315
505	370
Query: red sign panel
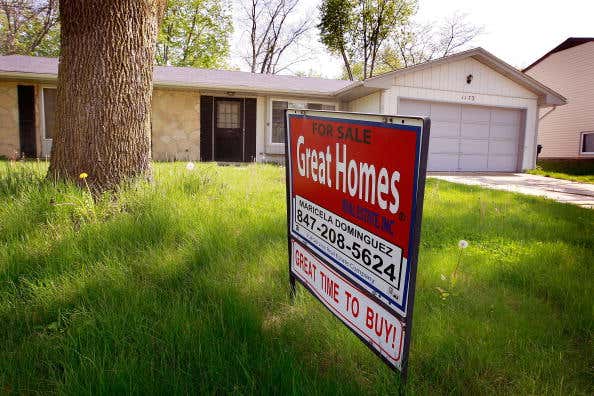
357	171
355	185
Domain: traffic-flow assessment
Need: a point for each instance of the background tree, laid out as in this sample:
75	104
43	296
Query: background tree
416	43
357	29
105	81
272	31
357	70
337	21
29	27
195	33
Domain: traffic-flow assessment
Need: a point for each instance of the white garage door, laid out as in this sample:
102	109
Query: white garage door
469	138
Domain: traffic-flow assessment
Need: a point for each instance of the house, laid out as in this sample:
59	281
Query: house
484	112
568	132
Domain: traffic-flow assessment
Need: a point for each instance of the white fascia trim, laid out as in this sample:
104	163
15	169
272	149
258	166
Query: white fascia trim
261	91
174	84
28	76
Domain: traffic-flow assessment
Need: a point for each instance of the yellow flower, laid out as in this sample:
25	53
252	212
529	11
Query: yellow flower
83	176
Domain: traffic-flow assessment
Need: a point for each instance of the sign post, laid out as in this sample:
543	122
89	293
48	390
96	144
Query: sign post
355	185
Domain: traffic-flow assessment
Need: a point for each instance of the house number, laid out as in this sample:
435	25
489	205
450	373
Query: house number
470	98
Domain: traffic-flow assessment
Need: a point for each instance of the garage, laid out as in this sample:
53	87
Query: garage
484	112
468	137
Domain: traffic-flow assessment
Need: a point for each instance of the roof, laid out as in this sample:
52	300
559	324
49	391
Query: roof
546	96
18	66
567	44
169	76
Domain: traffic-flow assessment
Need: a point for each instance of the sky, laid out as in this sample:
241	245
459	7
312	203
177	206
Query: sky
517	31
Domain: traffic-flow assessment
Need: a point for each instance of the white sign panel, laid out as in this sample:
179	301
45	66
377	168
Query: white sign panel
377	263
377	327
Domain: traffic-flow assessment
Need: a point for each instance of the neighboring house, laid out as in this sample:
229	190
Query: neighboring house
484	112
568	132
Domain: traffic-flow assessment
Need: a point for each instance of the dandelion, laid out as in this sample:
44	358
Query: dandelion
190	166
443	293
83	176
462	244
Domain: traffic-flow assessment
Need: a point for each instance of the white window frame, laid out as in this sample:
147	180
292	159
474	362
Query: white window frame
269	141
582	135
42	110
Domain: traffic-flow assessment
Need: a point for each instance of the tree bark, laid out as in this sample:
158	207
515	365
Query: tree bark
105	84
347	64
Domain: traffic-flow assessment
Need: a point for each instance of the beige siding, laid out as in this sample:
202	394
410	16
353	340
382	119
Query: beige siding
176	125
9	120
571	73
367	104
451	76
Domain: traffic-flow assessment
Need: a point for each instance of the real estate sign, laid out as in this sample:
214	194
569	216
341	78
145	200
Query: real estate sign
355	193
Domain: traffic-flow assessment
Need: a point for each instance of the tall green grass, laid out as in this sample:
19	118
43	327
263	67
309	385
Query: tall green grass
182	287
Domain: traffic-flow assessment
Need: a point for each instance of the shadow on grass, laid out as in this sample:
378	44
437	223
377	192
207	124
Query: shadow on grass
169	318
154	302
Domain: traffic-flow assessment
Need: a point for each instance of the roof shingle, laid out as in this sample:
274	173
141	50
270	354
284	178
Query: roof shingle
194	77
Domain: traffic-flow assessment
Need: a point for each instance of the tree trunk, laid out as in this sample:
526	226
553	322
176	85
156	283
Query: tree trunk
347	64
105	84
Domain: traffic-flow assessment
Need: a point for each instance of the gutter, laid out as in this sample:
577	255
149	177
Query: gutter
239	89
341	91
39	77
28	76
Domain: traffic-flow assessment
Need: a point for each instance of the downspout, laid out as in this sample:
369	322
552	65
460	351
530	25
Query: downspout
538	119
535	145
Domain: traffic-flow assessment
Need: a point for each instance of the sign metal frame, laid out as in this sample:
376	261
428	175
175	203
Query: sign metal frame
405	315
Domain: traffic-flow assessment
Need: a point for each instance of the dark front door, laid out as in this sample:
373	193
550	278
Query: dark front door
229	131
26	99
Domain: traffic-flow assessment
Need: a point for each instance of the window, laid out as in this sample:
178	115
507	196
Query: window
587	146
278	116
228	114
320	106
49	112
278	121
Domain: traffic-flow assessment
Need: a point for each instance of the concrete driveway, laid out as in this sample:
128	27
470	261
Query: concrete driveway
565	191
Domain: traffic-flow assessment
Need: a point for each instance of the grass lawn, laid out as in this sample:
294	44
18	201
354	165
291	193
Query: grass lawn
181	287
564	176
